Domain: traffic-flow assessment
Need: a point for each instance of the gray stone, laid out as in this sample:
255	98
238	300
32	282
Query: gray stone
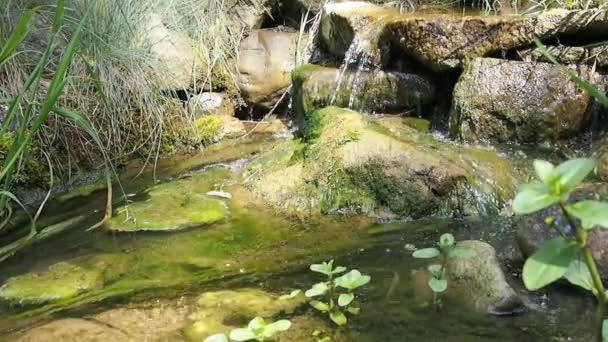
517	102
481	281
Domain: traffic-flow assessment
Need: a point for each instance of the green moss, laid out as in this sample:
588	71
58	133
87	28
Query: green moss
61	281
208	129
341	195
301	73
184	205
421	125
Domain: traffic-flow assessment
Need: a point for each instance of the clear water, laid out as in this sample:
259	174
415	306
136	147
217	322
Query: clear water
257	247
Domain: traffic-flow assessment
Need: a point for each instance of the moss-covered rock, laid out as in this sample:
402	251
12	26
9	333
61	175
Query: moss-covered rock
222	311
350	163
532	103
60	281
317	87
184	204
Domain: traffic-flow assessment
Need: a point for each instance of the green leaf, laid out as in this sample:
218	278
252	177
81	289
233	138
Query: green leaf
353	310
532	198
549	263
242	335
276	327
318	289
578	274
605	330
345	299
572	173
292	295
438	285
338	317
545	172
323	307
256	324
591	213
327	268
217	338
352	280
446	240
426	253
435	270
459	252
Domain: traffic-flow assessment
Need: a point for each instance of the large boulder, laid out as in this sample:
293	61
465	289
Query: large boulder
350	163
569	55
530	103
316	87
266	60
443	42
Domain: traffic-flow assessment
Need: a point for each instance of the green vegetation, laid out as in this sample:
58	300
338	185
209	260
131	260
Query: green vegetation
327	296
256	330
446	250
569	255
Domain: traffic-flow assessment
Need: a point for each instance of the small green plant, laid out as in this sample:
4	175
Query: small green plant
256	330
568	255
446	250
334	296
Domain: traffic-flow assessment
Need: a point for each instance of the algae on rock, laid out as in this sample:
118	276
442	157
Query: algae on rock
171	206
60	281
350	163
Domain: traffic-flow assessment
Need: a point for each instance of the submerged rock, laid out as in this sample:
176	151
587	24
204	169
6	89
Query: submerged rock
444	41
532	102
266	60
60	281
72	330
350	164
222	311
316	87
171	206
481	281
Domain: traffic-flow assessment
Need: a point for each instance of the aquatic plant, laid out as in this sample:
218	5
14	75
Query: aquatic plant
256	330
567	256
446	250
335	296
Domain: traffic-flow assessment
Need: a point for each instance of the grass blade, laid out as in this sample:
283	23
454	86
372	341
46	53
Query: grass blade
17	36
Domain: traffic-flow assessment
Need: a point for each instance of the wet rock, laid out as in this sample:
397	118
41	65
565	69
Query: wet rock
349	163
60	281
232	127
444	41
569	55
532	103
481	281
171	206
222	311
266	60
73	329
316	87
532	232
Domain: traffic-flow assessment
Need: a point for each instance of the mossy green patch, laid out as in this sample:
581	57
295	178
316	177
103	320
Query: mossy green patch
421	125
61	281
171	206
208	129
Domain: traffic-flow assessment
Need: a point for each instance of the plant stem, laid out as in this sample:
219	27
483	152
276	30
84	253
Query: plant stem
581	238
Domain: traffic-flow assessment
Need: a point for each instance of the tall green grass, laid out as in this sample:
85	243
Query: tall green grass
31	106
